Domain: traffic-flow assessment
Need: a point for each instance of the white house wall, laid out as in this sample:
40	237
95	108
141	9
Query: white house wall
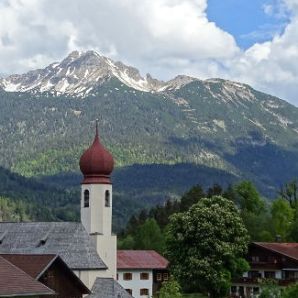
136	284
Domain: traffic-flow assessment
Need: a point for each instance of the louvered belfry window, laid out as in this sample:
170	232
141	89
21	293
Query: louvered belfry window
107	198
86	198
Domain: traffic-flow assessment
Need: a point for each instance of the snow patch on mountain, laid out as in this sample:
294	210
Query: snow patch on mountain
80	73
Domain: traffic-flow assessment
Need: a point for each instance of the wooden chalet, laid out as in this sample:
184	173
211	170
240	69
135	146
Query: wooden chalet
274	261
14	282
47	272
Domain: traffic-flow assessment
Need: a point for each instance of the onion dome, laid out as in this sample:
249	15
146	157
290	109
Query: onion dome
96	163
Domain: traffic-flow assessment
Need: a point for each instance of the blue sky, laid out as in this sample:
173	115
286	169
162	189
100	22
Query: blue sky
247	20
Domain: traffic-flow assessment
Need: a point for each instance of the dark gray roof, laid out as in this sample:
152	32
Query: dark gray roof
107	288
69	240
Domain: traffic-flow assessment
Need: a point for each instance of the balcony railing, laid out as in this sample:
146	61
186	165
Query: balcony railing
259	280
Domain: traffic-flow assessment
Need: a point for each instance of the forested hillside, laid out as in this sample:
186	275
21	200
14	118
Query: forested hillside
57	197
27	199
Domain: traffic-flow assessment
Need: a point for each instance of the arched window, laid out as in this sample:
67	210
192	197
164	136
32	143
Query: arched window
107	198
86	198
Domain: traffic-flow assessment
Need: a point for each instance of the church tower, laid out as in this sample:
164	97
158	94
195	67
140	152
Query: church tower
97	164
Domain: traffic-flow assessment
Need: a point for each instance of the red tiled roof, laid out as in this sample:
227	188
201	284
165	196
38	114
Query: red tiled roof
33	265
140	259
287	249
15	282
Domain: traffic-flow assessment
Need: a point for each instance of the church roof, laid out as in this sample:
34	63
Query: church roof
140	259
96	163
108	288
69	240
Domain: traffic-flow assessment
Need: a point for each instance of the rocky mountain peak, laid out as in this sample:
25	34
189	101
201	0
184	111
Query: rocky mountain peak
78	75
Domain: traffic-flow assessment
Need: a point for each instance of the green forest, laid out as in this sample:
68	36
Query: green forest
264	220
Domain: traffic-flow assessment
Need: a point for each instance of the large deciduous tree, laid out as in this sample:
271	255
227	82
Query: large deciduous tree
289	192
282	218
252	210
149	236
205	246
247	198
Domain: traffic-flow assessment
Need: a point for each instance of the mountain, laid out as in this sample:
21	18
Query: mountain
81	73
47	120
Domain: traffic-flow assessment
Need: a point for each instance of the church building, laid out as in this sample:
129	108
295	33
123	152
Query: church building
89	248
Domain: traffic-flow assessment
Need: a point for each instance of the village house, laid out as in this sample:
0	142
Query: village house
14	282
268	261
47	270
141	272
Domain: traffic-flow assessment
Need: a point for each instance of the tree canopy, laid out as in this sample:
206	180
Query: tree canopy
282	217
205	245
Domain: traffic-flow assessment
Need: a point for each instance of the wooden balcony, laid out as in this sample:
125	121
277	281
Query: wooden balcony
259	280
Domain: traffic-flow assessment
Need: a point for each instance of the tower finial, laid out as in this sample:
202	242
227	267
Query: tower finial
96	126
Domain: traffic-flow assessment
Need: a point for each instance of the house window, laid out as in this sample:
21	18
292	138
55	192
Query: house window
107	198
269	274
233	289
86	198
256	290
144	292
291	274
127	276
159	277
144	275
254	274
129	291
255	259
166	276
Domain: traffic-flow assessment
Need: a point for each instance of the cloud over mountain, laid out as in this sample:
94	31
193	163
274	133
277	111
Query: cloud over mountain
163	37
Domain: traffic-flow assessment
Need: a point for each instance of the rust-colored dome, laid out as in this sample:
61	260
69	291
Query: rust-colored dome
96	163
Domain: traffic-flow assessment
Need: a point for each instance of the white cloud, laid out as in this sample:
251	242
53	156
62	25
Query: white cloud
139	32
272	66
277	8
164	37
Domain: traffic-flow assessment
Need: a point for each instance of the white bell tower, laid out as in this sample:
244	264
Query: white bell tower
97	164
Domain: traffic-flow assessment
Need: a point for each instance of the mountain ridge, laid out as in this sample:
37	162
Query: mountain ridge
81	72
